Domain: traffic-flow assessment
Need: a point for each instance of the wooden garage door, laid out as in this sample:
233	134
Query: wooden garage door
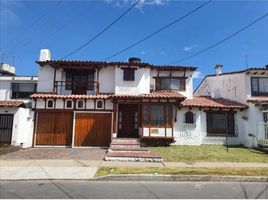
54	128
93	129
6	123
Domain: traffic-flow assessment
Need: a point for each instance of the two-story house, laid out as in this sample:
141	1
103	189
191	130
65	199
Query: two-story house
250	87
16	116
89	103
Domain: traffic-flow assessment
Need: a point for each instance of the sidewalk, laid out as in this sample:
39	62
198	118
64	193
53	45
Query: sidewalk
84	169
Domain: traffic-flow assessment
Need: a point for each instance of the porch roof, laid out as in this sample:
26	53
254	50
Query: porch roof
258	100
153	95
73	96
12	104
209	102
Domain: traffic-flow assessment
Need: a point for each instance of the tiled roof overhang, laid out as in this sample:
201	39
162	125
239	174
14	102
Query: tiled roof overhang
99	64
10	104
258	100
212	103
73	96
153	95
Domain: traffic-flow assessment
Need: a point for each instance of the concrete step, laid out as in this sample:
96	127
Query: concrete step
127	149
130	156
125	143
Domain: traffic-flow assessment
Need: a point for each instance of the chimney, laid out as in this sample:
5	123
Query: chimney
218	69
44	55
134	60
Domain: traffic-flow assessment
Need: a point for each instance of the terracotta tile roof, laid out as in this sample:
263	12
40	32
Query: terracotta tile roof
98	64
208	102
153	95
56	96
257	100
12	104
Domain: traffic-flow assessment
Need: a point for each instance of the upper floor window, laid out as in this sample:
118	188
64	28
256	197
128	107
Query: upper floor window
259	86
166	83
129	74
22	90
69	104
99	104
79	83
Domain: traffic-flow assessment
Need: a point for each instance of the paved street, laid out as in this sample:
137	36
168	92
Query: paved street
129	190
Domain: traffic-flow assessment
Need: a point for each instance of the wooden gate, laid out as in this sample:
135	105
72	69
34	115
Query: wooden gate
93	129
6	124
54	128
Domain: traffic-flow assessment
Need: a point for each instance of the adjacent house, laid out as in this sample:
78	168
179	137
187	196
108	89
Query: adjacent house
16	116
91	103
249	87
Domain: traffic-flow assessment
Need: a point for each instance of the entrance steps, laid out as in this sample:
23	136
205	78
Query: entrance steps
128	149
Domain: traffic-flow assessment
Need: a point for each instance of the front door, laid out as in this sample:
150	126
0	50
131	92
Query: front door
128	121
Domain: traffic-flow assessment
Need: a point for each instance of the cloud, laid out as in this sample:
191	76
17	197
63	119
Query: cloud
8	14
143	52
198	74
141	4
189	48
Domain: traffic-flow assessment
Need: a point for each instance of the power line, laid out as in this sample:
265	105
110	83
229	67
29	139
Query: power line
221	41
158	31
100	33
34	23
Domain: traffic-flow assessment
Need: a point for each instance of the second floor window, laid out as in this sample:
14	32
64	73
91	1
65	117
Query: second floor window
22	90
259	86
129	74
79	83
170	83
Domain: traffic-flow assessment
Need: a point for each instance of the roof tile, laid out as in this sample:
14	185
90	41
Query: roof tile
12	104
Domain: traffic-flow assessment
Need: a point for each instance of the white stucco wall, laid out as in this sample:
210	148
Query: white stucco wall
231	86
5	87
107	80
141	84
189	134
22	131
45	79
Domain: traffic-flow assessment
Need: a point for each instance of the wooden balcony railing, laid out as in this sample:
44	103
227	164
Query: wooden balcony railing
76	87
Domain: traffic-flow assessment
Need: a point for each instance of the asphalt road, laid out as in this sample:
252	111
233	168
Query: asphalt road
130	190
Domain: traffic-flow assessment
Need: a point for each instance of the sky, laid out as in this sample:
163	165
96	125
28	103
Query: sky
62	26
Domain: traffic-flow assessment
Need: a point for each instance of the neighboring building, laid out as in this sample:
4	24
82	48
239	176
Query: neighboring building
16	116
249	87
89	103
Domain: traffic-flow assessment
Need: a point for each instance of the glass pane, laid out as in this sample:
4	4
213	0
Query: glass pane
157	115
263	85
254	83
219	121
24	87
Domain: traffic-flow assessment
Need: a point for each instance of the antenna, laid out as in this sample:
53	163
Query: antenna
246	59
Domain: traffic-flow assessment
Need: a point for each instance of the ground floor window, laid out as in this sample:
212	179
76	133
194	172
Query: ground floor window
157	115
220	123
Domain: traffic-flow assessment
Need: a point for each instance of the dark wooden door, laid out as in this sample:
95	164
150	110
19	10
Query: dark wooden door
128	119
6	124
54	128
93	129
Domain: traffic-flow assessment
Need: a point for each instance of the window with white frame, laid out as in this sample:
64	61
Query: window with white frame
190	117
80	104
50	103
259	86
99	104
69	104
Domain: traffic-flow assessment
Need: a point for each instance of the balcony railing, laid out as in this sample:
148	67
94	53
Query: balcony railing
263	134
76	87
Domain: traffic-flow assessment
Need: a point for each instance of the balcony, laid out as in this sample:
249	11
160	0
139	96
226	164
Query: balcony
76	87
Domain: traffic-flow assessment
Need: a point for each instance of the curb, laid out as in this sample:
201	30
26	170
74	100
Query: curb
146	177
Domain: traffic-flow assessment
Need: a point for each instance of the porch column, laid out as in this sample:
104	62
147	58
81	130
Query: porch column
115	105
